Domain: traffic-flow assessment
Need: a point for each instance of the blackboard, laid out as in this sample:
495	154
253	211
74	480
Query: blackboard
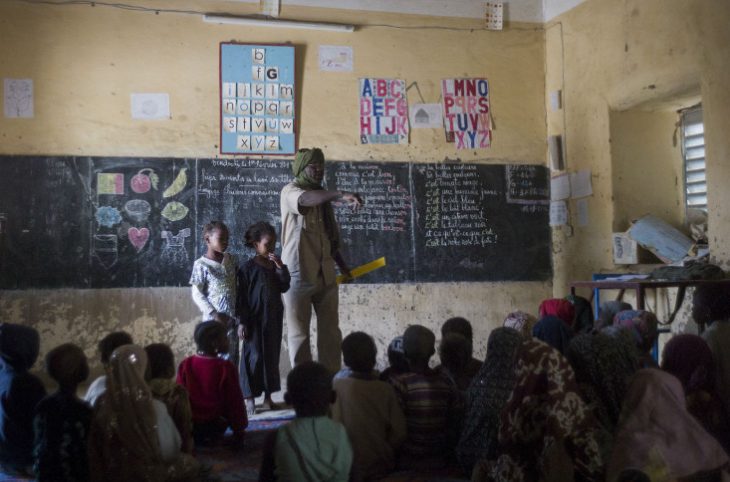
143	226
383	226
478	222
94	222
43	223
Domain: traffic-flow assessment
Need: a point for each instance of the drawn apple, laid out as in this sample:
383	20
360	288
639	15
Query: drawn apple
143	181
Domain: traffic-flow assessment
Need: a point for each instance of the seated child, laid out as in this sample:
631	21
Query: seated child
62	420
369	410
20	392
160	374
396	358
311	447
132	437
106	347
212	384
455	352
463	327
430	402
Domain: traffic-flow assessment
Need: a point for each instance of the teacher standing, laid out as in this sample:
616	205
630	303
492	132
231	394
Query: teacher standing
310	242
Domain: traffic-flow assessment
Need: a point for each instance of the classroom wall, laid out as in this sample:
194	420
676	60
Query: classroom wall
616	55
85	61
647	167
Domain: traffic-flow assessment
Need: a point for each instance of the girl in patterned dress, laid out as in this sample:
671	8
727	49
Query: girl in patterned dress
213	283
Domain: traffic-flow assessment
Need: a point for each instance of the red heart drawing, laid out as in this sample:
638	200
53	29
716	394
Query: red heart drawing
138	237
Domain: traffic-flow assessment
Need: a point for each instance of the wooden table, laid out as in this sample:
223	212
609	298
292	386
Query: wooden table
639	285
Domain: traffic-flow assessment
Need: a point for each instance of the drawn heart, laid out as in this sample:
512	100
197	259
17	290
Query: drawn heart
138	237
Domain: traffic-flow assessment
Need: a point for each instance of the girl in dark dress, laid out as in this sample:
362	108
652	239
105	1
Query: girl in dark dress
261	281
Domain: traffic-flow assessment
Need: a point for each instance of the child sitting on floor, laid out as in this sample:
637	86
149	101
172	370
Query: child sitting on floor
430	402
106	347
396	359
62	420
212	384
369	410
455	353
311	447
462	326
160	374
20	392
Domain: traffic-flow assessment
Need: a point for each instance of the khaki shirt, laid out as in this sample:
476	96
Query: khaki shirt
306	248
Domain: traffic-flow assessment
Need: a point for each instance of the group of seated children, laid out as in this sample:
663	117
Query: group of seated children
136	423
558	398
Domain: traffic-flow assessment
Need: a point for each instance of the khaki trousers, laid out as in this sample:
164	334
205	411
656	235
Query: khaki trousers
298	303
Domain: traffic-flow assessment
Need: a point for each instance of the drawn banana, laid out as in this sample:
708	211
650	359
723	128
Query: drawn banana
178	184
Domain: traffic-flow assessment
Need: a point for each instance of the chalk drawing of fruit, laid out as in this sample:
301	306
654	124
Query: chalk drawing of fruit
178	184
175	211
144	180
138	209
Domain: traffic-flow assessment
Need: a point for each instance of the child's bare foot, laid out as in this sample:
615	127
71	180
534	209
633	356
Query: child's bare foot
250	407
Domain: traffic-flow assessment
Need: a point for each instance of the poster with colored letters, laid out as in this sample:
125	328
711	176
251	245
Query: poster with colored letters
466	112
257	99
383	111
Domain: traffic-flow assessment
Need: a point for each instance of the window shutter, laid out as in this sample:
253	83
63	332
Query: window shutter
693	150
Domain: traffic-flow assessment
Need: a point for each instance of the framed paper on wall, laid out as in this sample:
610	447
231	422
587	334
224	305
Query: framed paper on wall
257	103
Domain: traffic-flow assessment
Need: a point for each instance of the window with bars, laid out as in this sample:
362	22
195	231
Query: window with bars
693	151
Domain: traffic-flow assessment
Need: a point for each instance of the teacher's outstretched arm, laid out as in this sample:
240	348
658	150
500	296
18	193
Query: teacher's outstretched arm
319	197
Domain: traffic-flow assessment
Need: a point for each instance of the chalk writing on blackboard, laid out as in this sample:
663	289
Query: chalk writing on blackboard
526	185
455	200
387	205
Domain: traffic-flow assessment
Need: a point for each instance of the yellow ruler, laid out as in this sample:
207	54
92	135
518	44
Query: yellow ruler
364	269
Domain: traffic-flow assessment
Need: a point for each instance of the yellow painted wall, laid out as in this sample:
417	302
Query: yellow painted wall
614	55
647	167
85	61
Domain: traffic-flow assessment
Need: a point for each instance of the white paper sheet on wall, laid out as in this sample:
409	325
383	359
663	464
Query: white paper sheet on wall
150	106
580	184
270	7
560	187
18	98
335	58
426	116
558	213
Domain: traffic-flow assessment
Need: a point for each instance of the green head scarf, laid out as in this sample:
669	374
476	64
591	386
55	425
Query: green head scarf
304	158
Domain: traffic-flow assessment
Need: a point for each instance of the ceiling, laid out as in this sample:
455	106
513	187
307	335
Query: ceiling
539	11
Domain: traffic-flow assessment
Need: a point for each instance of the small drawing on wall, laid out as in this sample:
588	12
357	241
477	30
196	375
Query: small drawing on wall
109	183
150	106
105	249
108	216
174	251
138	210
138	237
144	180
18	98
174	211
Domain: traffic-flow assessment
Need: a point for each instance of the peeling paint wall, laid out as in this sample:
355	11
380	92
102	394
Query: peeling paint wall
85	61
619	55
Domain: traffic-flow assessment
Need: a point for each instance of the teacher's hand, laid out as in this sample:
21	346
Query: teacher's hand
353	199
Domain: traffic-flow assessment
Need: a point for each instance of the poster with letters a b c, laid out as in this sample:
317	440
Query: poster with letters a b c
257	99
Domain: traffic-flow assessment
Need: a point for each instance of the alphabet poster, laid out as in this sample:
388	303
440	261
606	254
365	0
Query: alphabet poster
466	112
257	99
383	111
